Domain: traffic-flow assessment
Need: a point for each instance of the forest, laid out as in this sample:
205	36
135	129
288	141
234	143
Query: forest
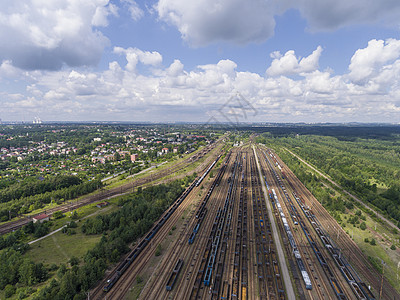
138	211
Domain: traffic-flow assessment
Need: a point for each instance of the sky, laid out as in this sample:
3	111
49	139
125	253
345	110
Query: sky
294	61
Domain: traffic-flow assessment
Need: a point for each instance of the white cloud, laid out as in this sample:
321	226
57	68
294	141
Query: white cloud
48	34
135	11
134	56
175	69
172	93
206	21
370	60
289	64
100	17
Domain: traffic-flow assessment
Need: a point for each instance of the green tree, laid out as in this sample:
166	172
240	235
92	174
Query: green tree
363	226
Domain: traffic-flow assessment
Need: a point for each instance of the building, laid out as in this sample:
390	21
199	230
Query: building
41	218
164	150
134	157
102	204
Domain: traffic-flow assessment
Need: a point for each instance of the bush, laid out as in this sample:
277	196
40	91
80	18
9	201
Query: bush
72	224
393	247
366	240
9	290
373	242
158	250
363	226
58	215
73	261
53	267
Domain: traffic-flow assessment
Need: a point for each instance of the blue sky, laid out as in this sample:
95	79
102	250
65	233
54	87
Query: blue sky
171	60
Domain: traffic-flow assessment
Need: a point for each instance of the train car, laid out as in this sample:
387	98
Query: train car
192	238
196	228
306	279
133	254
207	277
110	282
225	290
174	275
123	266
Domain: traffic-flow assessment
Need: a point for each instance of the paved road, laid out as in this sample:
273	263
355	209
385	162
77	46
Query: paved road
285	271
390	223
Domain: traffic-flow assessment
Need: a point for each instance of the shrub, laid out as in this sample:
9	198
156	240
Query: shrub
58	215
9	290
158	250
393	247
363	226
373	242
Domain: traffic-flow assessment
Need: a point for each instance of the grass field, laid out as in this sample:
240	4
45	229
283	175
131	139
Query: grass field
59	247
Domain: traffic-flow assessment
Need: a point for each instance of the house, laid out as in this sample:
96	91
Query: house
134	157
41	218
164	150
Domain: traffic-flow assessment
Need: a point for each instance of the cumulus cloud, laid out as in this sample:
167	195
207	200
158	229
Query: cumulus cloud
134	56
206	21
128	92
289	64
367	62
100	17
48	34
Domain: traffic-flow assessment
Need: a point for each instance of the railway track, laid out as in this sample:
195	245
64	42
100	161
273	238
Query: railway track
156	235
266	262
341	243
189	253
329	269
226	249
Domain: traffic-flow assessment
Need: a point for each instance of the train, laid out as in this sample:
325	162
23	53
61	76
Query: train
359	288
207	171
296	252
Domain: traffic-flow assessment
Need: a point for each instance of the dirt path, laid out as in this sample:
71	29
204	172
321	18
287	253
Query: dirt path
60	248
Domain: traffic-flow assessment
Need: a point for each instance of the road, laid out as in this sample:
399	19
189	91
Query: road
285	271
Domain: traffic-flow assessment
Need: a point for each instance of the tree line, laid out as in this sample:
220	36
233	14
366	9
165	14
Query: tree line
25	205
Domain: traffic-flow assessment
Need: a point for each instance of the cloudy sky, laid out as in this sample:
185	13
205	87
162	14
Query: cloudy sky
221	60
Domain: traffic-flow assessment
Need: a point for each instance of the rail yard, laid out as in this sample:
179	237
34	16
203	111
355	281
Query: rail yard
225	247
